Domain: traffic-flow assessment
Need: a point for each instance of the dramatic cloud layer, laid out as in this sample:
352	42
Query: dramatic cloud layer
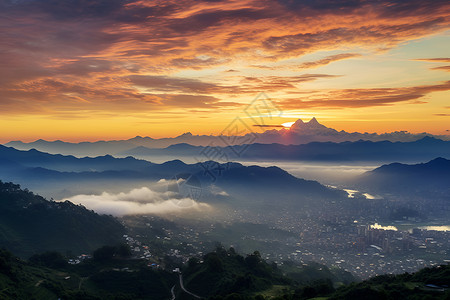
364	97
105	58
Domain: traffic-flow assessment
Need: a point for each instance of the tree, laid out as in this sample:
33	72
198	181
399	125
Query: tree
253	260
104	253
49	259
192	262
214	262
123	250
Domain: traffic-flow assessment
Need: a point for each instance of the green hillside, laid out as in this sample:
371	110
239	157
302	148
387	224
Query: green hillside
225	272
115	278
31	224
22	280
428	283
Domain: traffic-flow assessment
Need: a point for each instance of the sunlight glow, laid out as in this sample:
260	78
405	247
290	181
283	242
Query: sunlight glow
288	124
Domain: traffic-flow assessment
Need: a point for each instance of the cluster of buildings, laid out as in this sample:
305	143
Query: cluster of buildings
361	247
79	259
367	250
138	249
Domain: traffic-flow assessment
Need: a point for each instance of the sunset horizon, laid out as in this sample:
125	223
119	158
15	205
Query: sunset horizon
84	137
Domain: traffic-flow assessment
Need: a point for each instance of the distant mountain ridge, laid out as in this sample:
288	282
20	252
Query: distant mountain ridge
35	158
299	133
424	149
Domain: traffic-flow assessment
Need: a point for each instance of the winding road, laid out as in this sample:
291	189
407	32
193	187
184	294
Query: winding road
172	290
184	289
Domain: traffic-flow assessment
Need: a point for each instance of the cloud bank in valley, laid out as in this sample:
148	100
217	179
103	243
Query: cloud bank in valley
138	201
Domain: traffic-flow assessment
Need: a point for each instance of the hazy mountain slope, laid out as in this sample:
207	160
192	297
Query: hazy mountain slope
384	151
78	149
109	147
429	179
35	158
176	150
426	148
268	187
30	224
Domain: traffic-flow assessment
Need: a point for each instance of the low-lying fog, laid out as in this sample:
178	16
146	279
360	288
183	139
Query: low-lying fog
330	173
325	173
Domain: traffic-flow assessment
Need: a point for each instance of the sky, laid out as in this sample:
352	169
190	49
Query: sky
113	69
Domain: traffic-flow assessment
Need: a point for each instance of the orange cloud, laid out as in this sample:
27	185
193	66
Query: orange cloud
439	59
116	56
327	60
354	98
442	68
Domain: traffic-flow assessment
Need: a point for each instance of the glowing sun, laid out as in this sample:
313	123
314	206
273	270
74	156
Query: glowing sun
288	124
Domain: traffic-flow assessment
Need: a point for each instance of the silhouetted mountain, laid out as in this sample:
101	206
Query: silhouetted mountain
268	187
429	179
305	132
109	147
299	133
31	224
35	158
311	128
423	149
177	150
78	149
426	148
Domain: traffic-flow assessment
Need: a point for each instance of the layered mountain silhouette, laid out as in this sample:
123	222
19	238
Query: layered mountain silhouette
35	158
299	133
33	170
384	151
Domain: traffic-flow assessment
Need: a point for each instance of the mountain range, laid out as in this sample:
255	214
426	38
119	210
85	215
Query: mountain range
384	151
34	170
299	133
